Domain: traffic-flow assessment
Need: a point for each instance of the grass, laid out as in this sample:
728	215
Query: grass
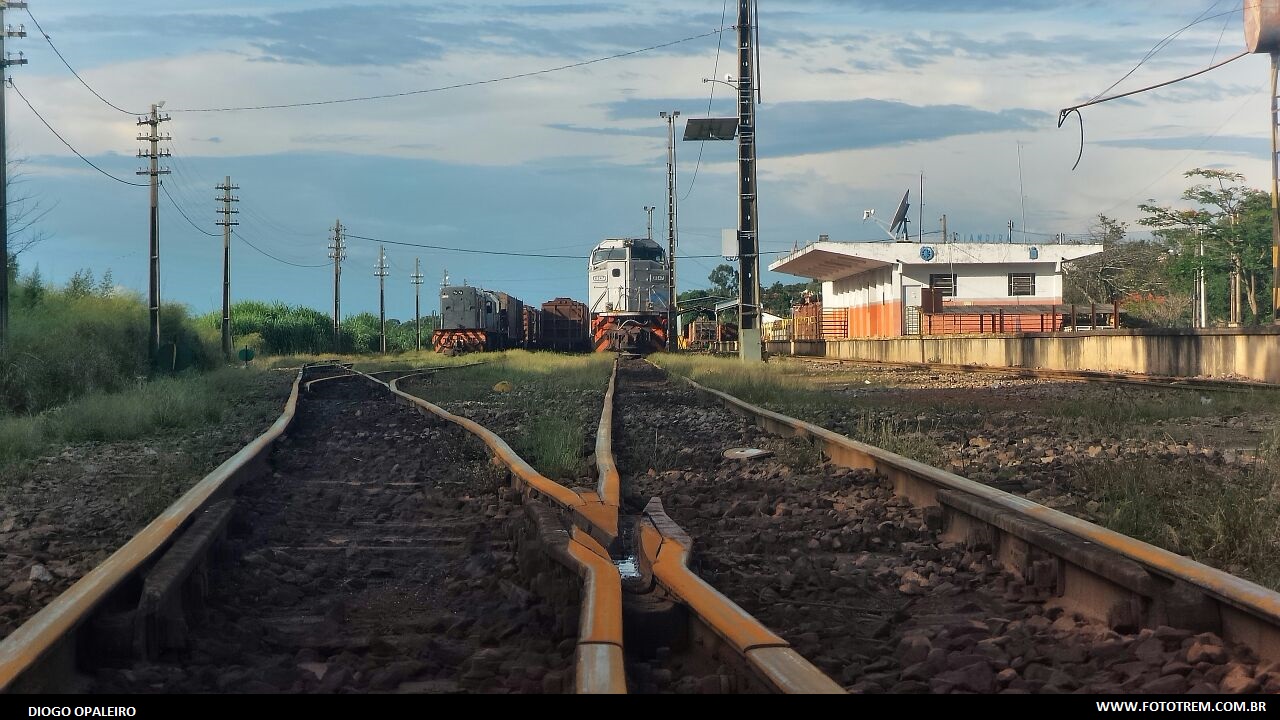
1232	523
550	435
899	437
148	408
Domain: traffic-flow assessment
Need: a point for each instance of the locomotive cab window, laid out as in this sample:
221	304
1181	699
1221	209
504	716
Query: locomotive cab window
641	252
602	255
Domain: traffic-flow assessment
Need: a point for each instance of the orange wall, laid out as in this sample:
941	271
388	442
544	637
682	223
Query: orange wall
876	320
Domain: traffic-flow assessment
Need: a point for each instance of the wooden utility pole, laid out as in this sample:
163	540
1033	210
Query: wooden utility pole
226	222
337	253
416	279
671	225
748	221
154	171
380	272
5	63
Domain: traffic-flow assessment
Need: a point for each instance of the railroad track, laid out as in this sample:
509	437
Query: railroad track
1179	383
889	575
867	571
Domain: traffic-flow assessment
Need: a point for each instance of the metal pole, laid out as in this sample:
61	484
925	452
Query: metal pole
671	226
649	211
5	62
338	253
417	303
381	273
748	240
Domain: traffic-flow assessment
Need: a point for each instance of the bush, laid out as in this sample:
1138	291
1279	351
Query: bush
71	342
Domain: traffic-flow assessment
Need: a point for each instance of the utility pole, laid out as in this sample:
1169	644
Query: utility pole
748	221
671	225
337	253
154	172
649	210
416	279
380	272
945	237
226	222
5	62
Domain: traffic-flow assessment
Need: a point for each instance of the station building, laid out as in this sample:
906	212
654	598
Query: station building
889	289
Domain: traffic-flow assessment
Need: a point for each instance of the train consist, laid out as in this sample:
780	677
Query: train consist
473	319
628	295
629	299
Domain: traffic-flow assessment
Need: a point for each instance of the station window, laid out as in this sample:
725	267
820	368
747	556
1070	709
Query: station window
1022	284
943	283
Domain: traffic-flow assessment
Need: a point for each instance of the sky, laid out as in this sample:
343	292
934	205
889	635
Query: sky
859	99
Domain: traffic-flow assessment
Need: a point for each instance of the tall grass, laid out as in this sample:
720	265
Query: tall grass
1229	521
148	408
280	329
70	342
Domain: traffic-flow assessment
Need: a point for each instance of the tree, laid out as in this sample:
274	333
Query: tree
1125	268
1234	223
724	280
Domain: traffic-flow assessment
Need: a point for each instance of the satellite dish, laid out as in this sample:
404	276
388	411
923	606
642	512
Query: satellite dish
900	215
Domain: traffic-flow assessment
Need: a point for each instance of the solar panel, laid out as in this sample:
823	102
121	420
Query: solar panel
711	129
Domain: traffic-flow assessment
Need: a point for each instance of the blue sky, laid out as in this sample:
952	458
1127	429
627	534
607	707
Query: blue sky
860	98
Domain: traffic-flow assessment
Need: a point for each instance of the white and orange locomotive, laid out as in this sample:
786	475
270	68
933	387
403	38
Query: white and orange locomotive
628	296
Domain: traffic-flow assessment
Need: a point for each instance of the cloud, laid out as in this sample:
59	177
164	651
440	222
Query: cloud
818	126
1234	144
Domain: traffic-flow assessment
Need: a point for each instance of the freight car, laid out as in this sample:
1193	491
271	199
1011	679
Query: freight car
627	290
564	326
476	320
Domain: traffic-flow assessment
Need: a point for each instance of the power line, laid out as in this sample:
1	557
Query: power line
1164	42
464	250
724	8
490	81
184	214
507	253
73	70
86	160
273	257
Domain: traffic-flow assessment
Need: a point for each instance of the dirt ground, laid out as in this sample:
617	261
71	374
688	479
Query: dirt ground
63	513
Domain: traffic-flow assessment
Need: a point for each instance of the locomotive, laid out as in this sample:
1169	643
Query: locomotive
628	296
475	320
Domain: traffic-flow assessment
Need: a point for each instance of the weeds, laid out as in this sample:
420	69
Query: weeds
1228	522
147	408
900	438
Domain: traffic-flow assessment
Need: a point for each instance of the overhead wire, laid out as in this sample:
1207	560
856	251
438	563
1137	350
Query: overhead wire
702	144
58	135
455	86
53	47
184	214
1164	42
273	257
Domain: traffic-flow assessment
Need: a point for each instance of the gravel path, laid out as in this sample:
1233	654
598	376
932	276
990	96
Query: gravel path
858	581
376	557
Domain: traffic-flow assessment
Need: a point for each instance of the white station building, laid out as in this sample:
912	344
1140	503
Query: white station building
880	289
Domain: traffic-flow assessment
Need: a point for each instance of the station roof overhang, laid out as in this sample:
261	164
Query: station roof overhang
826	261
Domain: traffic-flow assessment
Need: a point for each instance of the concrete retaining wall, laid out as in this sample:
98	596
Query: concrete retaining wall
1249	353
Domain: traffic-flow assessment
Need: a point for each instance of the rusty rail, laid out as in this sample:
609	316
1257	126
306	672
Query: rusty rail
600	664
1104	574
40	655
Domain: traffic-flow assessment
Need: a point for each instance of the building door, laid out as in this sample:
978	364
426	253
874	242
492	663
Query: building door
911	309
